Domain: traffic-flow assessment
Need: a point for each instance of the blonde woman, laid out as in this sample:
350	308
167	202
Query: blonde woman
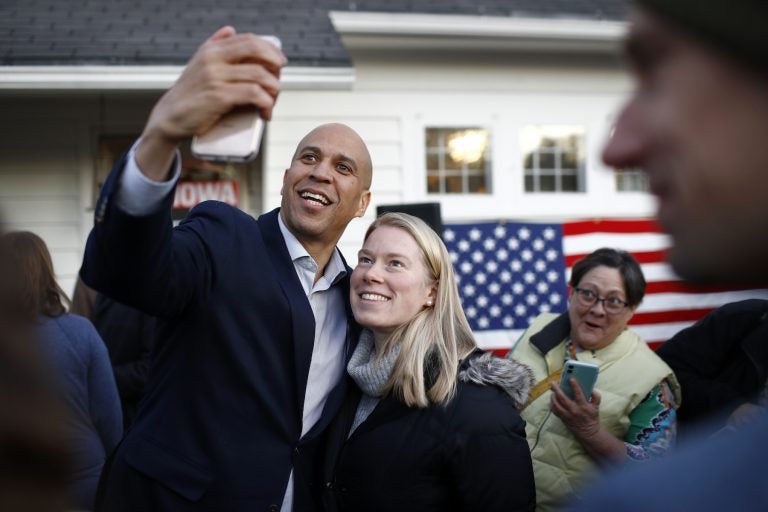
434	421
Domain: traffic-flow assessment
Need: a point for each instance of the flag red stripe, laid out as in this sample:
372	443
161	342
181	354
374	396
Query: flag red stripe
682	287
675	315
611	226
641	257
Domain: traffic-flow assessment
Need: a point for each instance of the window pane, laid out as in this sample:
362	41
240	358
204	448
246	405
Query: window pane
631	180
553	152
431	138
570	160
467	146
549	142
433	162
529	183
547	183
478	165
569	182
546	160
433	183
477	184
528	162
460	158
453	184
452	164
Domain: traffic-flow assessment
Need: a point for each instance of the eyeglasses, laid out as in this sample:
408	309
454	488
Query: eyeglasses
588	298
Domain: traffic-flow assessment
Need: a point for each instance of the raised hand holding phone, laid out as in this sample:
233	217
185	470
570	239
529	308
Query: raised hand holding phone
236	136
227	71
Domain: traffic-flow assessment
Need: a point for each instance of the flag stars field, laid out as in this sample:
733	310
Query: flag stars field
518	270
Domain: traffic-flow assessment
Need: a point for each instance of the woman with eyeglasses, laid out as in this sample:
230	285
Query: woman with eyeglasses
630	415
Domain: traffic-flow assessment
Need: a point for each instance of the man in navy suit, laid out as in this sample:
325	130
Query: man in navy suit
254	317
697	124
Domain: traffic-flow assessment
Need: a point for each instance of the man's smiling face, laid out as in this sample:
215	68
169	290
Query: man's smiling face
327	184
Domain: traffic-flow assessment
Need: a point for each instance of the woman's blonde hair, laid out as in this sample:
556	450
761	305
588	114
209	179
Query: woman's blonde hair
434	341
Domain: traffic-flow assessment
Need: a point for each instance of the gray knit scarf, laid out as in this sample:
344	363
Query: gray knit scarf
370	374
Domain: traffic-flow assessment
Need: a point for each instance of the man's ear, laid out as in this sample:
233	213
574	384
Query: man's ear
365	200
285	177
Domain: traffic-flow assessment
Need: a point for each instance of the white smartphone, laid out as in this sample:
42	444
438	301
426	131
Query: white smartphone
585	375
236	135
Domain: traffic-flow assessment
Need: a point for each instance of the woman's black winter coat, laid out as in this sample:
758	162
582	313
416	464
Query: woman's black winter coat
470	455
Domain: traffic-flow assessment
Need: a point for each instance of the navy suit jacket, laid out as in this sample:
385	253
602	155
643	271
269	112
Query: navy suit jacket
220	425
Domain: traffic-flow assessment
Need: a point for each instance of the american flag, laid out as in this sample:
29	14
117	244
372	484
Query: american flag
509	272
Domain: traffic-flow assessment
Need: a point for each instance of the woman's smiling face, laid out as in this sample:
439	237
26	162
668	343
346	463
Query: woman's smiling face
390	283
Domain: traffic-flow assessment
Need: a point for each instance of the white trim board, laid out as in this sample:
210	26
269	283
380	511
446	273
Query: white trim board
440	31
149	78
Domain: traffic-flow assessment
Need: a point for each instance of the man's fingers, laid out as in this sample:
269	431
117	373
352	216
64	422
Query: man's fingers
252	73
227	71
243	48
238	94
260	98
222	33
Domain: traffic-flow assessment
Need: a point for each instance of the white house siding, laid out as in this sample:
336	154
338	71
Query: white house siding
47	165
41	160
395	97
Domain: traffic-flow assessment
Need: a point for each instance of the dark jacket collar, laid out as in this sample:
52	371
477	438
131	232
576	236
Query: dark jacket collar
552	334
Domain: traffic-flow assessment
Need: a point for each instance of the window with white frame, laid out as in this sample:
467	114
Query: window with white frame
458	160
631	180
553	158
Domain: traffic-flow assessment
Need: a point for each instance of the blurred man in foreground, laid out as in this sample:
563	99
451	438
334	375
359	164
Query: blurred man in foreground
696	124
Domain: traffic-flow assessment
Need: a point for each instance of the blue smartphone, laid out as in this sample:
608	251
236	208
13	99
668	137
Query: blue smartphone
584	373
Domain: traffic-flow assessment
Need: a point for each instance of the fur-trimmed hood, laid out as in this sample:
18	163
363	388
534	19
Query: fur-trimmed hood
486	369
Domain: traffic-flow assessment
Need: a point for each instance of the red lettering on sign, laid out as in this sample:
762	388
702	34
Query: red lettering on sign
191	193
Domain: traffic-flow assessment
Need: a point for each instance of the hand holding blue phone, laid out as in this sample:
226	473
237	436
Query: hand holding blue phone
585	375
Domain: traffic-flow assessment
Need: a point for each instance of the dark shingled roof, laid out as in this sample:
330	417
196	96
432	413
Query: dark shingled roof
167	32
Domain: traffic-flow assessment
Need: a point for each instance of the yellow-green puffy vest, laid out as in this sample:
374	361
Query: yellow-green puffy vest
629	370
